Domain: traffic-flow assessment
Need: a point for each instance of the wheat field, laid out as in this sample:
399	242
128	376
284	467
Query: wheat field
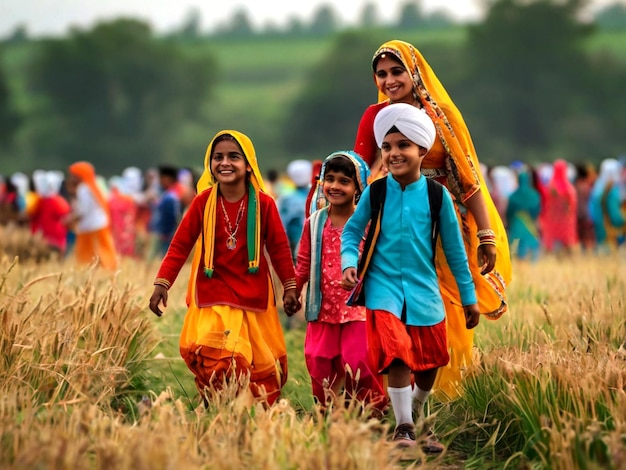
90	379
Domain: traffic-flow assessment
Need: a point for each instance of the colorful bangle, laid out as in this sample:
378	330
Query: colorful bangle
487	242
289	284
486	232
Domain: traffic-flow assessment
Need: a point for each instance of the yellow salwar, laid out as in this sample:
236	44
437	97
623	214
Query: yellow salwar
489	292
221	342
97	245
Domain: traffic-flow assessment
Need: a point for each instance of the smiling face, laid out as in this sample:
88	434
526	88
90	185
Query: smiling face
393	80
228	163
339	188
402	157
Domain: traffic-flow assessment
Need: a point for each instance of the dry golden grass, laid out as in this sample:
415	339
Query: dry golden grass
547	391
549	386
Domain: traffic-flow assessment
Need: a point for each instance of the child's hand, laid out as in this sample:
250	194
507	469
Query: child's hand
349	278
158	296
291	304
472	316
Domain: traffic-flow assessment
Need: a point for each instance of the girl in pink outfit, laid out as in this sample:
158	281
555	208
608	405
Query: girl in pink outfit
335	347
123	210
558	216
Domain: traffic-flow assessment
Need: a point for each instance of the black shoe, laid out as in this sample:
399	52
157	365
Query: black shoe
404	435
431	445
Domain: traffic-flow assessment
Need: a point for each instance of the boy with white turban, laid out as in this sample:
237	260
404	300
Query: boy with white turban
406	328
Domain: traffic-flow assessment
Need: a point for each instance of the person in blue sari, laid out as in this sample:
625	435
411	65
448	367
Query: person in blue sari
605	206
522	213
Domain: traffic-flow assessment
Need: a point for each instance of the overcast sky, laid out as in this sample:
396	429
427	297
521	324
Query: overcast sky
53	17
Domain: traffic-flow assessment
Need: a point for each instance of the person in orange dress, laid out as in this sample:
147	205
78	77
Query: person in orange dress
90	218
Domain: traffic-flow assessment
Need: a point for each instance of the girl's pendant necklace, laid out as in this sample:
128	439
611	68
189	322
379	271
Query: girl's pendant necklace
231	241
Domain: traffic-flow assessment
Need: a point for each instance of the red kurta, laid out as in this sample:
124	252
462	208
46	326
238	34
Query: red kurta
365	142
231	283
47	219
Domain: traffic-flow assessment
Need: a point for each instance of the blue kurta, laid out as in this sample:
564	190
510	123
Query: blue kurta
401	270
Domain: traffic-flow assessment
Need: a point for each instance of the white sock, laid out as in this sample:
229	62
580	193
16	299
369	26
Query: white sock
421	396
401	403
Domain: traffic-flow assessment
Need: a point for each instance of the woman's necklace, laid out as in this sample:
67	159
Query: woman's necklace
231	241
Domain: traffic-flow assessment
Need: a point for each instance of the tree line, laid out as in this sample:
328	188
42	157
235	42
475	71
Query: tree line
525	80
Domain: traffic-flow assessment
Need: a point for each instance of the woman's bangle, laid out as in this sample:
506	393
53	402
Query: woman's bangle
486	232
289	284
487	242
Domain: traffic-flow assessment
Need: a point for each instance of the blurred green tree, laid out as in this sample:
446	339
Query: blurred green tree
325	116
240	24
117	95
325	20
411	15
370	16
531	90
295	26
10	119
191	28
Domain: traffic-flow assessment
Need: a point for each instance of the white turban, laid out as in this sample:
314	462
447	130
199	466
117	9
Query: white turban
414	123
300	172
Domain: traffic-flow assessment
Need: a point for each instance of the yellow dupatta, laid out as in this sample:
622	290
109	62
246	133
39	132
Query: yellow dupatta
464	178
206	181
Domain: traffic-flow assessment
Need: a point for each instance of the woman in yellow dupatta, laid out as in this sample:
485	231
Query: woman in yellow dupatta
231	328
452	161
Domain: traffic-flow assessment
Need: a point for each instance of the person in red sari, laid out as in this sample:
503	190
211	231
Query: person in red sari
232	328
559	212
48	213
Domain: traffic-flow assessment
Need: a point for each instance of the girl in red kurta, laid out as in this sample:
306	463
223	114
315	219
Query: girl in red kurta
232	326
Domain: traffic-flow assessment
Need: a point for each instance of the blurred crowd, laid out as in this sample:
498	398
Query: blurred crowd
144	208
561	207
555	207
